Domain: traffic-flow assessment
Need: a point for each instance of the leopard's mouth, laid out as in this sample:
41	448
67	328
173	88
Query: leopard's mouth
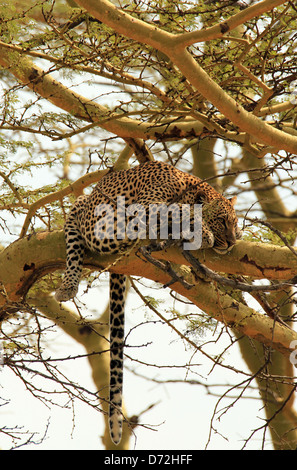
222	250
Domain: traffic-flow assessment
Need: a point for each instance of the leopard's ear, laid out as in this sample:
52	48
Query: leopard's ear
233	200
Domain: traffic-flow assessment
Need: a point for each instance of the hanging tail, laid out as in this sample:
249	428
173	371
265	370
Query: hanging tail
117	309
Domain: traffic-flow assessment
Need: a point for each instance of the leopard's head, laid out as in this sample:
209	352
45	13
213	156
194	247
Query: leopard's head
220	216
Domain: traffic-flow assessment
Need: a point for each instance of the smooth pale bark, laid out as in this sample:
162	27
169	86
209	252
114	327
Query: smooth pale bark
173	47
226	26
42	83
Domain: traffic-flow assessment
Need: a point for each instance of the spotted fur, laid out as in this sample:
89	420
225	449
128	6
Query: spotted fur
85	228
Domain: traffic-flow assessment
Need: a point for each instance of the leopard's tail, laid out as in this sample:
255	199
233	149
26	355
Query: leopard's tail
117	308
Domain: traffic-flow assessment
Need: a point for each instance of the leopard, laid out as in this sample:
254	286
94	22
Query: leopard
90	225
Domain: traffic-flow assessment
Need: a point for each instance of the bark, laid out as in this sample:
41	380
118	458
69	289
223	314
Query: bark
42	83
174	48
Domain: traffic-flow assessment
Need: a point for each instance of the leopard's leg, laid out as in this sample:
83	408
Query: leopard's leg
75	250
117	308
208	239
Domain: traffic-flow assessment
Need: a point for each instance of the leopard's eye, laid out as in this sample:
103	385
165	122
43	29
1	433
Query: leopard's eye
223	221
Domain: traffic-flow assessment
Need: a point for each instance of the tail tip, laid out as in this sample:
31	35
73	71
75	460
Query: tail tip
115	428
116	438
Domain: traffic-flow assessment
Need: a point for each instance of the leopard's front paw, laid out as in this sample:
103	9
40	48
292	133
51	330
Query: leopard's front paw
208	239
65	293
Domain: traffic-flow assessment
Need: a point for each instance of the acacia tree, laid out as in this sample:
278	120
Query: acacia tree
207	87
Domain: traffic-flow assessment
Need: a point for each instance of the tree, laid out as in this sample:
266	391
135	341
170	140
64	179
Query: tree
208	87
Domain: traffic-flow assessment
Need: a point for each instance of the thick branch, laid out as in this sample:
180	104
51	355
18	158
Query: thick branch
122	22
140	31
64	98
158	38
246	121
219	30
26	260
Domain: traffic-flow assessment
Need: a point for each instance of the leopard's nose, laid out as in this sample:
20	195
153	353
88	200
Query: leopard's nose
231	239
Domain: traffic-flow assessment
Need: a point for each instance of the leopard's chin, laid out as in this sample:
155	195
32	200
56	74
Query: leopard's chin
222	251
